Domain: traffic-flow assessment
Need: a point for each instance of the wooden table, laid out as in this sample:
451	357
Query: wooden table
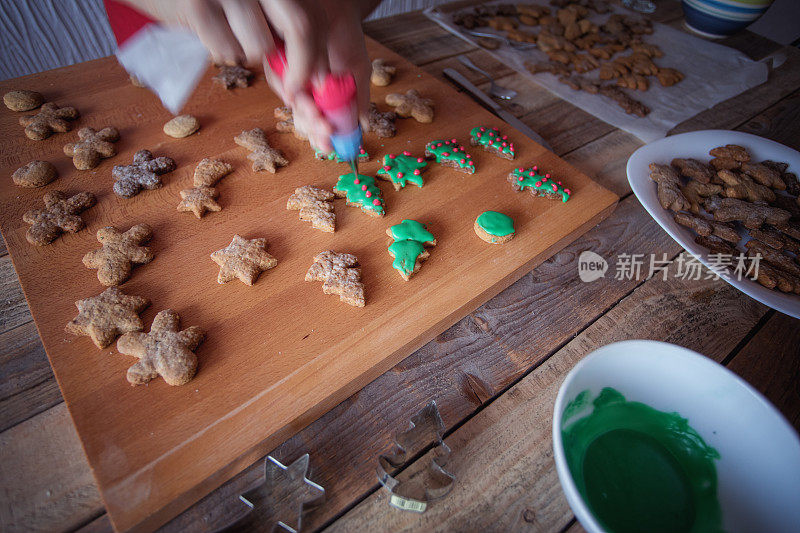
494	374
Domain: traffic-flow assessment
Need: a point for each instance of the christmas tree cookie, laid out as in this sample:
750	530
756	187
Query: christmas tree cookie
450	154
360	191
410	240
492	141
402	169
539	184
494	227
363	156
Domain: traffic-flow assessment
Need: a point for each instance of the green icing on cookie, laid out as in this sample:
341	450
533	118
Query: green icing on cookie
403	169
333	156
492	138
530	178
495	223
405	255
451	152
411	230
361	190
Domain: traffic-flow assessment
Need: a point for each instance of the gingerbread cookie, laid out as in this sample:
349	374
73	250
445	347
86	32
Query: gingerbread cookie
695	192
764	175
538	184
410	240
243	259
263	156
450	154
739	185
60	216
92	147
50	119
108	315
382	73
285	122
199	200
315	205
362	156
753	216
181	126
120	251
402	169
412	105
669	183
360	191
233	76
381	123
144	173
209	171
492	141
728	157
494	227
694	169
34	174
166	351
22	100
340	274
706	227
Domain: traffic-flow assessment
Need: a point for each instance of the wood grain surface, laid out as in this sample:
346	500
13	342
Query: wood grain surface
279	354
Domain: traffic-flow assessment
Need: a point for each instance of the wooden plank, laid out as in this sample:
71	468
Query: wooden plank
502	457
45	481
475	359
779	122
14	310
770	362
324	352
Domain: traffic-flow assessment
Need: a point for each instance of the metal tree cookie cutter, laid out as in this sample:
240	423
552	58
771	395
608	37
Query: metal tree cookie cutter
281	500
434	482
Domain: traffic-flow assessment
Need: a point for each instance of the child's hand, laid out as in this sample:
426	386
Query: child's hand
319	35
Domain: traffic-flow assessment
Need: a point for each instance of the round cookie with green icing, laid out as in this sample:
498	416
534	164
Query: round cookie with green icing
494	227
363	156
410	240
538	184
450	154
492	141
360	191
402	169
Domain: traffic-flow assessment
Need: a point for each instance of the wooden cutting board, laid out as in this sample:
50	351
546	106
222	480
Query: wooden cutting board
278	354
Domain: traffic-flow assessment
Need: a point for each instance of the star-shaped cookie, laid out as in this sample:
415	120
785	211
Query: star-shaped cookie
106	316
166	351
244	259
198	200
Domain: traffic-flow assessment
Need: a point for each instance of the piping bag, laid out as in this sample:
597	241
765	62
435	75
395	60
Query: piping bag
335	97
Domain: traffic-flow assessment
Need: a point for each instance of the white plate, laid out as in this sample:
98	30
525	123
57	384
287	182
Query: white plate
696	144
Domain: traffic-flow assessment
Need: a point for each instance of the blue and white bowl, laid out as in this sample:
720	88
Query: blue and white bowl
721	18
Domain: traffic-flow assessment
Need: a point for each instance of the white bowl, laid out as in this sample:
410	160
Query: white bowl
758	473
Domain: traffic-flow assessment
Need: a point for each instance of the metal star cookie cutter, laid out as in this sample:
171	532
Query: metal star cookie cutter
283	497
434	482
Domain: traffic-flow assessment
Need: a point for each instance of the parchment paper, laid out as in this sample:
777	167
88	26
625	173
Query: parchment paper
713	73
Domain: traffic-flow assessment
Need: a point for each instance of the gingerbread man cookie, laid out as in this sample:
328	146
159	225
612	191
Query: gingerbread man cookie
340	274
243	259
381	123
263	156
106	316
382	73
285	122
412	105
142	174
232	76
315	205
92	147
50	119
120	251
60	216
166	351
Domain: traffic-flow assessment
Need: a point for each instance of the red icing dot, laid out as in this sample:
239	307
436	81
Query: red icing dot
547	176
535	167
392	156
445	154
356	181
483	129
567	191
367	194
399	174
505	137
453	141
504	144
469	156
558	182
438	145
538	183
463	161
416	172
419	160
376	201
362	151
491	134
478	135
555	187
406	152
387	167
363	187
521	178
